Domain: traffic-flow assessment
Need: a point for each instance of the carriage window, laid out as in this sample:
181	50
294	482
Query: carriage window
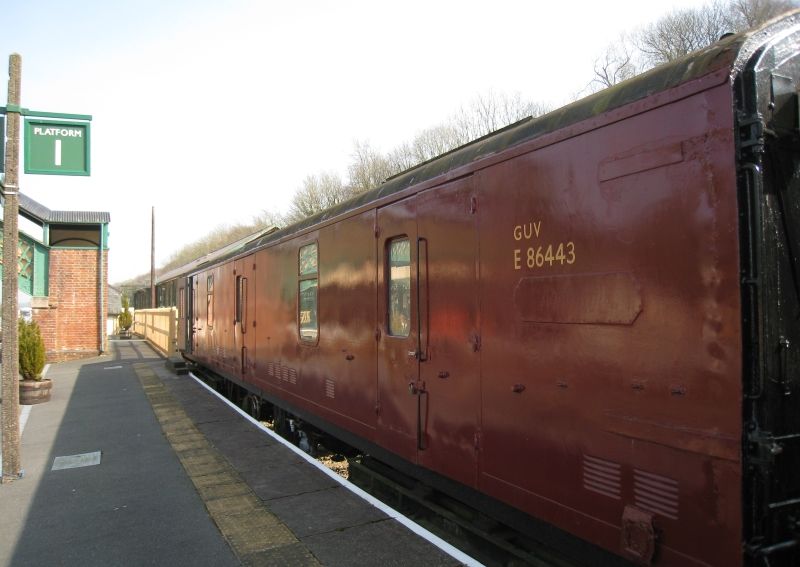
210	300
241	302
307	293
399	287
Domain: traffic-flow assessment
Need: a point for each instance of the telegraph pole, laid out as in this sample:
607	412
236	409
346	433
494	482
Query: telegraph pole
153	258
10	374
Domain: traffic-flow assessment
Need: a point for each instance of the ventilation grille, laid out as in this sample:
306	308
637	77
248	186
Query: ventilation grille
330	388
280	372
601	476
288	375
656	494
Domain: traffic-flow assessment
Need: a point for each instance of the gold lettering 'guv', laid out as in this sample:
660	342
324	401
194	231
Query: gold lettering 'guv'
528	230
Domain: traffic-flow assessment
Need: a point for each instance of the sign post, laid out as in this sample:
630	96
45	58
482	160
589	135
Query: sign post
10	350
52	147
2	145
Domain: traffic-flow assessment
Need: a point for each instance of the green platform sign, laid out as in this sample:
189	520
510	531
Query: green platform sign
56	148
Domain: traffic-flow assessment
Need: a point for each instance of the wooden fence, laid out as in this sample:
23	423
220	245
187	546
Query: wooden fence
159	327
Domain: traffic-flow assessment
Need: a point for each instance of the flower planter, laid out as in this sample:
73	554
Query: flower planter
34	391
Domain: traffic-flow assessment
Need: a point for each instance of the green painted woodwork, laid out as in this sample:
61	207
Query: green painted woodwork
40	114
33	267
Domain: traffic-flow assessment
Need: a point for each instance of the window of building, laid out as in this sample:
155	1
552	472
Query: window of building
399	304
210	300
308	285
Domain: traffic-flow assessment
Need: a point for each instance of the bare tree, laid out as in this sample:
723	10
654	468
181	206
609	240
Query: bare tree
402	157
615	65
318	193
485	114
426	145
368	169
679	33
490	112
268	218
219	237
682	31
747	14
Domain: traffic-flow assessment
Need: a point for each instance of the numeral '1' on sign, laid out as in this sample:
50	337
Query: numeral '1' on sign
58	152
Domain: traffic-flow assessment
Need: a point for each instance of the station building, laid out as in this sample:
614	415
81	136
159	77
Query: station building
63	277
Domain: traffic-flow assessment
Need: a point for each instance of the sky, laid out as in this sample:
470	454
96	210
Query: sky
212	111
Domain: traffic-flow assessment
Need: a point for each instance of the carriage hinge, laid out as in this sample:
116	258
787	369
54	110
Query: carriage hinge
751	132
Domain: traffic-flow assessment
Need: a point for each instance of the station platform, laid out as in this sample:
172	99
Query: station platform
130	464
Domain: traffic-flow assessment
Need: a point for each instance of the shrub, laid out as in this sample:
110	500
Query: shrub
125	319
31	350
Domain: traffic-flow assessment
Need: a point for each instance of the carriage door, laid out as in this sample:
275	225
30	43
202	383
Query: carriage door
450	370
188	317
180	303
194	312
398	330
244	306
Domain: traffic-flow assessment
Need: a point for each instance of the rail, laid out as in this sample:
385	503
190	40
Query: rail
159	327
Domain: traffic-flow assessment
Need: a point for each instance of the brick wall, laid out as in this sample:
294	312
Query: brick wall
70	322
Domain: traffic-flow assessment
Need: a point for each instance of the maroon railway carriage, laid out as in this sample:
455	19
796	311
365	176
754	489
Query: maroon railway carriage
591	317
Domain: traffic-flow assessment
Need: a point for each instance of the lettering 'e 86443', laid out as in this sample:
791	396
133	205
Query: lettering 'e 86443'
545	256
540	256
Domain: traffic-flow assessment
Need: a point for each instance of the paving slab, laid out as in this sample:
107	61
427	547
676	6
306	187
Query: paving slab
260	458
343	509
384	543
286	481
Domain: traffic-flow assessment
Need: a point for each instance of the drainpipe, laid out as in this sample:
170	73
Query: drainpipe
101	320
